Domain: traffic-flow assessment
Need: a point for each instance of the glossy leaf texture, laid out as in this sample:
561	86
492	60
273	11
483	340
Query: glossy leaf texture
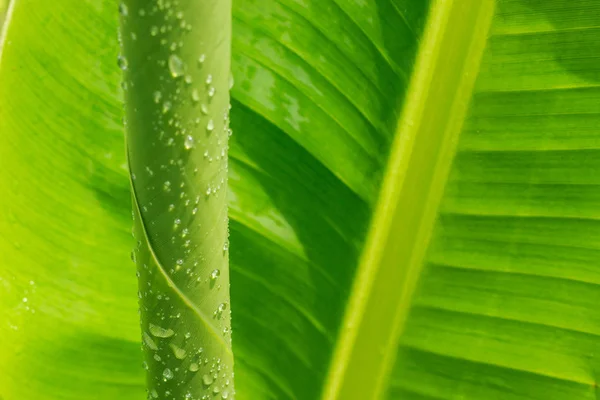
175	61
319	87
68	298
505	308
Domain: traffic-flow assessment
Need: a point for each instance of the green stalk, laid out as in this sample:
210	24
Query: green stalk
176	62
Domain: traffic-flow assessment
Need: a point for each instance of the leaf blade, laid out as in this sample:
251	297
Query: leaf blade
395	247
515	239
61	218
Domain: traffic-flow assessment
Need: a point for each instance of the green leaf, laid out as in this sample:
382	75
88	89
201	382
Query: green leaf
176	61
69	328
3	10
319	87
346	115
508	306
416	174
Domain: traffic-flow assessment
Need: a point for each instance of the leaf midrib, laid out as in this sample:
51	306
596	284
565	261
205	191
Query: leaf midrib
383	259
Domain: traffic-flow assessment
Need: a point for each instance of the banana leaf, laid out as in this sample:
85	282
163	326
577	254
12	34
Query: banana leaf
413	201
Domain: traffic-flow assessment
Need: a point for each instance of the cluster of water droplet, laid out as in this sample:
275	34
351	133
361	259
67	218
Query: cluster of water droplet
214	376
191	148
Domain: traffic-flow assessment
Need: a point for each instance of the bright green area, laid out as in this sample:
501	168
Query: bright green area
3	8
420	158
176	83
506	307
68	297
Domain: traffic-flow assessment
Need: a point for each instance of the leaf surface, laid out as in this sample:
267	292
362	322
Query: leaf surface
506	289
507	307
69	328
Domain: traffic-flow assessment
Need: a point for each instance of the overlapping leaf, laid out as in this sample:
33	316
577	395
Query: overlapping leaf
506	308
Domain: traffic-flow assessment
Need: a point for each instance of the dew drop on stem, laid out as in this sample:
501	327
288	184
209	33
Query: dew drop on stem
189	142
122	62
176	66
207	380
160	332
167	374
215	274
123	10
195	96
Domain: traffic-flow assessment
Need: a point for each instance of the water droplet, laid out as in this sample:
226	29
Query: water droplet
179	353
204	109
122	62
195	95
226	246
171	207
188	79
207	380
123	10
231	81
154	30
175	66
194	367
215	274
167	186
166	107
219	311
149	342
167	374
157	96
189	142
210	126
154	394
201	59
157	331
211	91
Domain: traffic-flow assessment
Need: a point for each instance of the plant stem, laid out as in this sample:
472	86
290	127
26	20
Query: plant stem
176	62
